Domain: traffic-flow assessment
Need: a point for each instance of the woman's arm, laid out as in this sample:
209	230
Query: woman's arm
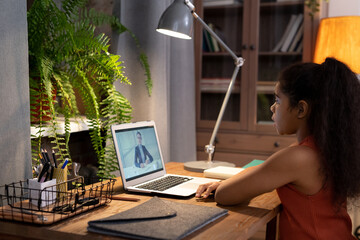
291	165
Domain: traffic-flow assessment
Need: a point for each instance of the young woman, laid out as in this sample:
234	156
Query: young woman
314	177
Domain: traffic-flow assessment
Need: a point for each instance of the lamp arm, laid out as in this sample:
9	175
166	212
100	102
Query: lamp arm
238	61
210	148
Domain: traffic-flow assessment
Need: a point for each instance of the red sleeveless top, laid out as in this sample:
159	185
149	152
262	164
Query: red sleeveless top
312	216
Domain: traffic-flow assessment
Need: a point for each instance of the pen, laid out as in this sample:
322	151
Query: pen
117	197
54	158
51	172
42	160
44	156
65	163
39	169
43	172
47	156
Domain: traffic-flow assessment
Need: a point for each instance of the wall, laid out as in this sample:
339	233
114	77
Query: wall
15	157
343	8
172	103
145	107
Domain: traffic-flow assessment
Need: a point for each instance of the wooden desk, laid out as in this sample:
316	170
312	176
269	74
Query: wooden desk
242	222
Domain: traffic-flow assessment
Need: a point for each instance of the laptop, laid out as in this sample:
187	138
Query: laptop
142	166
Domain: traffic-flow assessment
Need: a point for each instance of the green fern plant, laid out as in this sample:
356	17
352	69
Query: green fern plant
65	55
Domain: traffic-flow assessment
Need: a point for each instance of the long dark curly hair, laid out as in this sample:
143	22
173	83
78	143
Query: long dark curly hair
332	91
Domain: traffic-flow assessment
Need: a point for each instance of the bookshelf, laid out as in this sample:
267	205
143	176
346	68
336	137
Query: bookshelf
262	32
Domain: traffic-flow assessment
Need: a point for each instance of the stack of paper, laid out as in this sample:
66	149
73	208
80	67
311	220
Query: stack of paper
221	172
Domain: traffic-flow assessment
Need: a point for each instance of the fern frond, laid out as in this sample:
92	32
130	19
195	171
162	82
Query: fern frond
72	7
99	19
107	68
66	91
145	64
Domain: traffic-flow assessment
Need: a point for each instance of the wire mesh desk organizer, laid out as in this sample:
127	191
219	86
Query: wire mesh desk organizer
20	202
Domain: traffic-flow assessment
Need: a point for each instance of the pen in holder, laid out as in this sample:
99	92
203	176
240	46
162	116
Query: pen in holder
61	180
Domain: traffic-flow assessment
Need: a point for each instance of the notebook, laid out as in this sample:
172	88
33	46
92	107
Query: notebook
141	163
157	219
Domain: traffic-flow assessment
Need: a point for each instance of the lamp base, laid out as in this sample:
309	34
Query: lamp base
200	166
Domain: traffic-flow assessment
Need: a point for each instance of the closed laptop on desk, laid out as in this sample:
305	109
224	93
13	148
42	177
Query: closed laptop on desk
141	163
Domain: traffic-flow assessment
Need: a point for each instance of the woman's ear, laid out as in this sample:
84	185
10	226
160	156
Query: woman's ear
303	109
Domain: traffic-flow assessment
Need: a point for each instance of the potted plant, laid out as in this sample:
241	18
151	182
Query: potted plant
65	55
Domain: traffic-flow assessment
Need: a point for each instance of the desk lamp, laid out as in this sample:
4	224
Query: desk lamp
176	21
339	37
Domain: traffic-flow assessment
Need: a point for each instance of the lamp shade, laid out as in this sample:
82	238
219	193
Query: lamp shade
176	21
339	37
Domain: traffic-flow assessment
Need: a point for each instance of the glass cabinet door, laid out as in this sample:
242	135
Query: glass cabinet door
281	32
217	64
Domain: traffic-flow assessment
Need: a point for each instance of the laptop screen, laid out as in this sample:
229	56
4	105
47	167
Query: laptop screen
139	151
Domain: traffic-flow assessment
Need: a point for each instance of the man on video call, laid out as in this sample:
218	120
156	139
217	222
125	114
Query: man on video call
141	152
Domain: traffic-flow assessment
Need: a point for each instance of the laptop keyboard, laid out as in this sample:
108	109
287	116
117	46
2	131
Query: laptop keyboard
164	183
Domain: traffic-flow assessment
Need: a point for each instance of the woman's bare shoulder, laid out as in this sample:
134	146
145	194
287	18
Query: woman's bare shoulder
295	156
303	163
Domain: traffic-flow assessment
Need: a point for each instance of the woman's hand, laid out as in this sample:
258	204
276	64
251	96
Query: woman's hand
204	190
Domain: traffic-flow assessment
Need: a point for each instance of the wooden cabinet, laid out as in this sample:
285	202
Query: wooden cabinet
257	31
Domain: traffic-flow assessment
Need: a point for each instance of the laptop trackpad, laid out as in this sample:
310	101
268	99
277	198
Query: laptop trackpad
185	189
189	185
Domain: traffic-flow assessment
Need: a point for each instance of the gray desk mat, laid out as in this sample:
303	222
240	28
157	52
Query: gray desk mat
157	219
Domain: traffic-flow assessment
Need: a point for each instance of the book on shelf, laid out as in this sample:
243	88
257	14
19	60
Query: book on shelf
299	48
205	46
210	3
286	32
291	34
212	39
298	37
210	44
221	35
207	41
